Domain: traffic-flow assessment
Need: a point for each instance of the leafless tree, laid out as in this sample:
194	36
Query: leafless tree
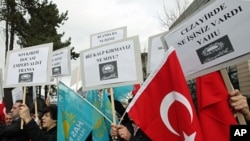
170	15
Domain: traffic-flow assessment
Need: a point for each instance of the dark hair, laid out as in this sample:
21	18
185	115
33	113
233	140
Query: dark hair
19	101
52	109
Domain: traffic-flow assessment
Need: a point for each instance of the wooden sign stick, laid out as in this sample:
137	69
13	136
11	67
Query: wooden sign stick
24	101
36	111
111	92
230	88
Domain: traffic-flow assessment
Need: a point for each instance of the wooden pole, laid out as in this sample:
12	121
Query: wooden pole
230	88
35	102
111	92
36	111
24	101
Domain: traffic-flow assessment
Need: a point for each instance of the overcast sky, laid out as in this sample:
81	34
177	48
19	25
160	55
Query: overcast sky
88	17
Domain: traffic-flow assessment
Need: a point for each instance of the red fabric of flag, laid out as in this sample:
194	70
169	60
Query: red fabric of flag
213	108
136	88
2	111
163	106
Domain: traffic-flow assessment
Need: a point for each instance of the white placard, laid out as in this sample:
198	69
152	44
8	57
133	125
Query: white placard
156	50
61	64
28	66
76	76
108	37
34	93
17	94
218	33
111	65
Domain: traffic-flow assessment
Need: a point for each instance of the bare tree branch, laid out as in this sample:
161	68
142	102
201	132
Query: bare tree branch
171	15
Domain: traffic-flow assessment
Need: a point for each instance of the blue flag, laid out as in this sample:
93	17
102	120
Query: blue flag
121	93
74	115
102	127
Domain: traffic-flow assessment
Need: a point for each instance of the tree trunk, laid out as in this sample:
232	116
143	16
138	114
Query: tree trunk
12	36
6	40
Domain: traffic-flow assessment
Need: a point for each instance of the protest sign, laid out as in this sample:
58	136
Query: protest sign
75	76
107	37
28	66
61	65
216	34
156	50
17	94
112	65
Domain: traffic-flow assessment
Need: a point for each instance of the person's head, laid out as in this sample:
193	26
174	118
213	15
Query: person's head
49	117
16	108
8	118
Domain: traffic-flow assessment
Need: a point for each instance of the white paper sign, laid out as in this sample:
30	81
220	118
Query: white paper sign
107	37
17	94
156	50
76	76
112	65
217	33
28	66
34	93
61	64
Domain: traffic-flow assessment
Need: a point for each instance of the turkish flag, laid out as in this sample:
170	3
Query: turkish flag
163	106
136	88
2	111
213	107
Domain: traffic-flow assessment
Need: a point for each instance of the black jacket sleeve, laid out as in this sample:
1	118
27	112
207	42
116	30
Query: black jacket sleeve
13	130
36	134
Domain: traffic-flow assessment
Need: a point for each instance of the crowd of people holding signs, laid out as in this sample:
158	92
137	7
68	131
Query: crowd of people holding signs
110	106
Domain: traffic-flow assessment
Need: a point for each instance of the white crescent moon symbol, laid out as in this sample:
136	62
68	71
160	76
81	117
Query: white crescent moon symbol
167	101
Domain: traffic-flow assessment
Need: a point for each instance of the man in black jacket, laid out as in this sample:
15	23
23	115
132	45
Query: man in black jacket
49	124
14	132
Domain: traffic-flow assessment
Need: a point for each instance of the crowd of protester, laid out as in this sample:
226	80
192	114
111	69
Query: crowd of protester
21	125
45	129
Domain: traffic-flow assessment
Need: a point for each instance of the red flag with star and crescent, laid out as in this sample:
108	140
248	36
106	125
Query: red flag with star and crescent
163	106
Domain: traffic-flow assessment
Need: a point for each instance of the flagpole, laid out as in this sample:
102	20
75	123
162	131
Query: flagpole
122	117
230	88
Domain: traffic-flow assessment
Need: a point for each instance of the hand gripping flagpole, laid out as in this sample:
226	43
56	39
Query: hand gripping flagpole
230	88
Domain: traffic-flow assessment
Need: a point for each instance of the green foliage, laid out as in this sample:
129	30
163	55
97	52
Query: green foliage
34	22
41	26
